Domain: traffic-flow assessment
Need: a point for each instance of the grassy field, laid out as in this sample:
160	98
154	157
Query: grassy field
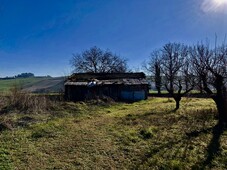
32	84
98	135
5	85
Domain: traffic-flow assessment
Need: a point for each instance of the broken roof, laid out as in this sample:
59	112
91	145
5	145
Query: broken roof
105	76
85	79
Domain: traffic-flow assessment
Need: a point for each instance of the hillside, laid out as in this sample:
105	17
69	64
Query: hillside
46	85
34	84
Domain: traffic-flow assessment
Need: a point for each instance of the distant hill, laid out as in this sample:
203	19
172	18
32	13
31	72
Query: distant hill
34	84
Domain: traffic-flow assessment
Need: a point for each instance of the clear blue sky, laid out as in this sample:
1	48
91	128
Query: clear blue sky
40	36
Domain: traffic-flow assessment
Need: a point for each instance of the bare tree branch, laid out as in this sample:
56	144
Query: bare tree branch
98	61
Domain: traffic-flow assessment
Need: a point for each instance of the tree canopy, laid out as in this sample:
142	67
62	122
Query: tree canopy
96	60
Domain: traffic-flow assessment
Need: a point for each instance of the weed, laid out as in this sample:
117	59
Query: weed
147	133
26	102
5	162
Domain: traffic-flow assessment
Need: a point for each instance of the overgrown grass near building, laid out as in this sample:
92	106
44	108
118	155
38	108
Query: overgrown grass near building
98	135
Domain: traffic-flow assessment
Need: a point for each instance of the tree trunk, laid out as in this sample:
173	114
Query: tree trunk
186	85
221	104
221	99
159	90
201	91
200	86
177	104
177	100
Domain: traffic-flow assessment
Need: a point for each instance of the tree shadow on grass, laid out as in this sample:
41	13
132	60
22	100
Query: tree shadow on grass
213	148
165	112
197	133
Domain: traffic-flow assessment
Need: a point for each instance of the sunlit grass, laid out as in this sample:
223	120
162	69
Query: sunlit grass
96	135
6	85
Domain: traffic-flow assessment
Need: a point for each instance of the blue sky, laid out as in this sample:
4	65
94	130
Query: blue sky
40	36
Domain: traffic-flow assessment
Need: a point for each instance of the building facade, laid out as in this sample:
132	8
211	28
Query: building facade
118	86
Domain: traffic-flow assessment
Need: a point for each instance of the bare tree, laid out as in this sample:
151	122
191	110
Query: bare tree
96	60
178	79
153	66
210	66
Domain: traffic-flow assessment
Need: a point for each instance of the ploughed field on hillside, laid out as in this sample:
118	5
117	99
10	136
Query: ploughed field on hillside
34	84
104	135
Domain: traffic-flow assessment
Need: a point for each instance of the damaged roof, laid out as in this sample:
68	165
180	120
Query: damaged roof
105	76
98	79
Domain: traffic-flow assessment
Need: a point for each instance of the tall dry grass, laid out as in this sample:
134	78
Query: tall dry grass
23	101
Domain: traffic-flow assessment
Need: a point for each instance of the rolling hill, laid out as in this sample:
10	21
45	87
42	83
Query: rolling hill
34	84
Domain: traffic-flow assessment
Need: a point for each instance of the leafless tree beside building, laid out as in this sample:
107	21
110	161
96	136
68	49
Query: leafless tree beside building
96	60
178	77
153	67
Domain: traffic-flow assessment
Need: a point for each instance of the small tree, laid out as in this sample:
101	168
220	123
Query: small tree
154	68
178	78
96	60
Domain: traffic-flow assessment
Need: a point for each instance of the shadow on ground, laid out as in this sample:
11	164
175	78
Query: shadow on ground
213	148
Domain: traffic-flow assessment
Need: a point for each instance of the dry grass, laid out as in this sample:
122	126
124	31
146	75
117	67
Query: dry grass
99	135
21	101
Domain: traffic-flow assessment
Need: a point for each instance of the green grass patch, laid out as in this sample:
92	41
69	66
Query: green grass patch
6	85
142	135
